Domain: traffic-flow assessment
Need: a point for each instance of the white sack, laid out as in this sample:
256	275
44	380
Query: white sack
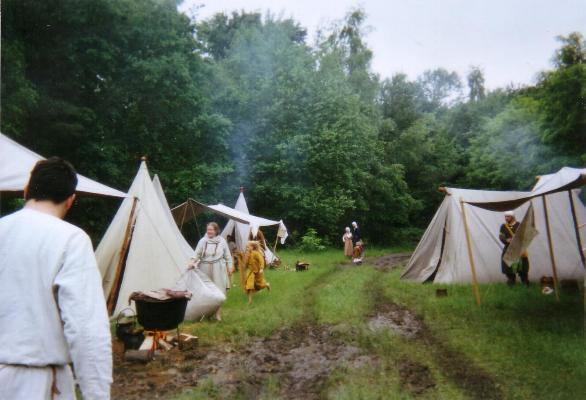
206	299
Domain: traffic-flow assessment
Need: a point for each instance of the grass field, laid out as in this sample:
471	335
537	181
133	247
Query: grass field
519	344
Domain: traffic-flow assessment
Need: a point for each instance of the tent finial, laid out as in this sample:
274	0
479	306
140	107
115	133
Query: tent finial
143	158
443	190
241	189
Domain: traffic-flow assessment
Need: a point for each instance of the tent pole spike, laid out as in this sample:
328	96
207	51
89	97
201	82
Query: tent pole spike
470	255
551	253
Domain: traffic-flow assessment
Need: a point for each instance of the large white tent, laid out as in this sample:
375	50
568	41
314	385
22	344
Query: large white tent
142	248
442	255
16	163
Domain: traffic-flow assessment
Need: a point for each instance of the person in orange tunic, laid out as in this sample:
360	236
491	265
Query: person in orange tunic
348	246
253	278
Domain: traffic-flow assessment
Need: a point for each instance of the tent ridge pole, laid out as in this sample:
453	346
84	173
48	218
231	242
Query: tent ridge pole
470	255
551	253
115	289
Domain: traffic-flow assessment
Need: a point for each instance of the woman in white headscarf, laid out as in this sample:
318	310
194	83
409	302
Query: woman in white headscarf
212	256
347	239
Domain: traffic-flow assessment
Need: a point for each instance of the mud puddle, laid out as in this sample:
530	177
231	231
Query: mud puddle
390	316
389	262
299	359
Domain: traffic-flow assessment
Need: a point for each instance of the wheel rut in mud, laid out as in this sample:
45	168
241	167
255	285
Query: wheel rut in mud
415	377
300	358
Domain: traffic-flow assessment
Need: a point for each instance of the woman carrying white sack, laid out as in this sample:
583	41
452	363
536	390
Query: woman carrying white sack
212	256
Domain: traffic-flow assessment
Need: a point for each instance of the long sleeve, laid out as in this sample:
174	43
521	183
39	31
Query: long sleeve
504	235
85	319
227	255
198	254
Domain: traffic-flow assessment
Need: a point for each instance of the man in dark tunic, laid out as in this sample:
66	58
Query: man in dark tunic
356	236
506	234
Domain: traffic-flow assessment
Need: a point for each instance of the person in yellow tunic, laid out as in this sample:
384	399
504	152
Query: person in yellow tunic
254	279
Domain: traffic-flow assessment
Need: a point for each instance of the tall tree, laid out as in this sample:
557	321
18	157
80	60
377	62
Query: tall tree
476	84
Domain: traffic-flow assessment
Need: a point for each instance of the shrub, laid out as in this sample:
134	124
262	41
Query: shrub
310	242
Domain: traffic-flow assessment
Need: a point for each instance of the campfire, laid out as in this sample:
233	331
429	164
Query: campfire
159	314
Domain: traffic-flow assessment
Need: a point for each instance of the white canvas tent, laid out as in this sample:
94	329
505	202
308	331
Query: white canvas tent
142	248
240	222
16	163
241	232
442	255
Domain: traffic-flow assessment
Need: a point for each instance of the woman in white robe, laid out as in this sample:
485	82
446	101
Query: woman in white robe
212	256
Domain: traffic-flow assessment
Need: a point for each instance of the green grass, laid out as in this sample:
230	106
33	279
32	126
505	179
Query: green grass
529	346
270	311
525	340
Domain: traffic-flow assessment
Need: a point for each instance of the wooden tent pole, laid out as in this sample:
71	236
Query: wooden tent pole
577	229
551	253
183	216
470	255
275	246
193	211
114	291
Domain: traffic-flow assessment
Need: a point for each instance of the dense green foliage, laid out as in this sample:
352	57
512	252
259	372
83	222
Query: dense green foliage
311	132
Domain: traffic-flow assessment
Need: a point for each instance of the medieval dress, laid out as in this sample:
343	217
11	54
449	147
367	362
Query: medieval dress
356	235
52	311
348	248
507	232
214	260
255	278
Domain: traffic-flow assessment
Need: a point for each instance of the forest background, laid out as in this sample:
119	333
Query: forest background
313	134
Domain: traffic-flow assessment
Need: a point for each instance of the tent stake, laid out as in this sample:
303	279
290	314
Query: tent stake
114	291
551	253
577	229
469	245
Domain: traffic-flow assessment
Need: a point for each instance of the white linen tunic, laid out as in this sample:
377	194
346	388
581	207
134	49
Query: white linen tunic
52	310
214	260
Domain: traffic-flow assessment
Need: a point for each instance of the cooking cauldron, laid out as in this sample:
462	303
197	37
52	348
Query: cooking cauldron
128	332
161	315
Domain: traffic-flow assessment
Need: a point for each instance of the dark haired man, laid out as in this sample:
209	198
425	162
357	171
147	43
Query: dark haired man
52	309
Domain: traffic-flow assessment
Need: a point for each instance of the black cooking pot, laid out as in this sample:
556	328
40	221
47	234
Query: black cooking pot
128	332
161	315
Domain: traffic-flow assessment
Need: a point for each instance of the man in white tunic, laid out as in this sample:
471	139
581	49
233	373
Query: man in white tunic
52	308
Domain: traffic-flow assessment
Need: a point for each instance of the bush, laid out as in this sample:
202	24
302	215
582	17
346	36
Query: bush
310	242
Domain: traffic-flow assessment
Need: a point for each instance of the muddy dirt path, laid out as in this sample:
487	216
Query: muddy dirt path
388	262
300	358
415	377
297	362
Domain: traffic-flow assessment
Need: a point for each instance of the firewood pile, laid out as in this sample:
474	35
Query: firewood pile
157	342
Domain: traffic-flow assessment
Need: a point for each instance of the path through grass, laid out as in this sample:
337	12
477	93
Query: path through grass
518	345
